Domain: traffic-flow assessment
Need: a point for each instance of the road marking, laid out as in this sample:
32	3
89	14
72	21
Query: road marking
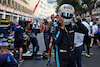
86	53
53	53
20	64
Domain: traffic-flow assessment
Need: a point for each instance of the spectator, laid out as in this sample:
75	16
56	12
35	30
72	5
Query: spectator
46	35
36	27
78	43
52	28
18	34
34	42
86	37
94	34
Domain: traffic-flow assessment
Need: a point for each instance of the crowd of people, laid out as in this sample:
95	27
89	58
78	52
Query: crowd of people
65	33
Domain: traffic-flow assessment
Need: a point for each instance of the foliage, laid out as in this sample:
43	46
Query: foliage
77	4
25	1
90	5
72	2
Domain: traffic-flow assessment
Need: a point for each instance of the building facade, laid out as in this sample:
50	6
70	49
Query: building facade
15	10
95	13
52	8
42	8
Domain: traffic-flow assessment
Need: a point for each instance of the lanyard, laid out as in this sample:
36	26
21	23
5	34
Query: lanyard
66	29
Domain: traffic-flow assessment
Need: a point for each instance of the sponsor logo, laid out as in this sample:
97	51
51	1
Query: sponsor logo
71	31
68	7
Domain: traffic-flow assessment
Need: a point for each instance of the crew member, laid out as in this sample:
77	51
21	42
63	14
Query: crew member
6	59
18	35
34	42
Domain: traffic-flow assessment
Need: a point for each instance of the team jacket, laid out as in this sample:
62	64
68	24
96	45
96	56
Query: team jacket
65	37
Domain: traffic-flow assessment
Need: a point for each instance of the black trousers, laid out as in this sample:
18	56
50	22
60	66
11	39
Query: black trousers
35	50
66	59
35	46
46	40
87	42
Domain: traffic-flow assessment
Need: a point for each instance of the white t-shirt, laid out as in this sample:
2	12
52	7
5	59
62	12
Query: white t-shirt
91	23
94	28
87	26
36	25
78	39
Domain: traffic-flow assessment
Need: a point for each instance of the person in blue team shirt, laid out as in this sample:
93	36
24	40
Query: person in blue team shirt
34	42
6	59
18	34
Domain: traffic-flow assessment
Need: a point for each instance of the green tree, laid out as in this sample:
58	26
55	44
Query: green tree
74	3
78	5
25	1
90	5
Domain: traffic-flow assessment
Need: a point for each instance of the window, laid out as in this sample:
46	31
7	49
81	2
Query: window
8	2
15	5
23	8
0	1
18	6
12	3
8	17
26	10
0	16
97	19
42	2
4	2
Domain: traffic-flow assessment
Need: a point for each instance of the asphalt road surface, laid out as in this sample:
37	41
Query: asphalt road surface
93	61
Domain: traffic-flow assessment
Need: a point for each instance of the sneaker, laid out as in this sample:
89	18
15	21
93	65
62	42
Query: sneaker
90	46
49	63
46	51
83	51
21	60
37	57
44	56
87	55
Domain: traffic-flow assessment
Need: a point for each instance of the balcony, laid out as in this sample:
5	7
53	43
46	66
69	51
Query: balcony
16	6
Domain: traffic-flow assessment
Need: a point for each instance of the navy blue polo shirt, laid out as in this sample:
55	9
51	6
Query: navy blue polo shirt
33	40
18	32
7	60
